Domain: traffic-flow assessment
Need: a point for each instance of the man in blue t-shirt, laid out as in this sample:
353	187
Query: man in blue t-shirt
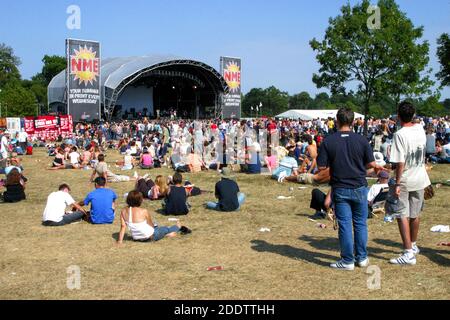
102	202
348	156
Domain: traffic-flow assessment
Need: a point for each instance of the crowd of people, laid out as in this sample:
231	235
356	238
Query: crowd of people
317	152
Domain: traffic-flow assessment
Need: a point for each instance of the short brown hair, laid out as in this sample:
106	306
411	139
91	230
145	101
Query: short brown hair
101	157
64	186
135	199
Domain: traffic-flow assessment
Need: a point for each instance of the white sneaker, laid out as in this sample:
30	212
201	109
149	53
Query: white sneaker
282	176
364	263
136	175
404	259
415	249
145	176
340	265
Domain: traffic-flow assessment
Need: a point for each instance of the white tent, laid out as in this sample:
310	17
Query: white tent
312	114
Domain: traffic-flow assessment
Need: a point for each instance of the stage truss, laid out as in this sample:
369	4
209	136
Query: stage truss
111	96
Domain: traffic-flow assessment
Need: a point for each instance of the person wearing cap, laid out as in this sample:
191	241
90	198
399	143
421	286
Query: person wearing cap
228	193
377	188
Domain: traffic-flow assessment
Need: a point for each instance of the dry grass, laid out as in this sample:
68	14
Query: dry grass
290	262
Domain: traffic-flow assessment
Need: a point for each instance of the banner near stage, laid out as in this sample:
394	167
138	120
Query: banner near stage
83	80
231	71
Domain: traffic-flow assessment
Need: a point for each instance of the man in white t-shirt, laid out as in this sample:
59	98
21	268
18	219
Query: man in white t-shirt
406	197
55	211
23	139
4	145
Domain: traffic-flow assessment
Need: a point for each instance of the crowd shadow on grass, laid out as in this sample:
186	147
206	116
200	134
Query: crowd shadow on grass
293	253
434	255
332	244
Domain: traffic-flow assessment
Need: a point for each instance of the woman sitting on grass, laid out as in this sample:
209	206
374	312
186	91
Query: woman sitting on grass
59	159
15	187
140	223
86	156
127	163
146	161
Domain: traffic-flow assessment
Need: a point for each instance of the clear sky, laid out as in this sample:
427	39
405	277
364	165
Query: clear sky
272	37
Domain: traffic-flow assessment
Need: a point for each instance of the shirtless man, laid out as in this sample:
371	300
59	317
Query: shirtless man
309	160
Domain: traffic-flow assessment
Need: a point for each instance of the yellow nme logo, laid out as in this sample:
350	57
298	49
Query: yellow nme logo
84	64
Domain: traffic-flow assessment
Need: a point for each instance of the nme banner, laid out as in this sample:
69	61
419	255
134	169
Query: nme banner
83	79
65	124
29	125
43	123
231	71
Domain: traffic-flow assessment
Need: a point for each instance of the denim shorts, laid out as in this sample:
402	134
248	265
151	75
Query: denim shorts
409	205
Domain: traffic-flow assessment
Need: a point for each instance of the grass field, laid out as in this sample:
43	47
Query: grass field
290	262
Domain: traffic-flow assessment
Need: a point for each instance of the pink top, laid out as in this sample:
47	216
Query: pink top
147	159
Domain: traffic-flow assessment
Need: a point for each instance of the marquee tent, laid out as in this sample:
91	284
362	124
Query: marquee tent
312	114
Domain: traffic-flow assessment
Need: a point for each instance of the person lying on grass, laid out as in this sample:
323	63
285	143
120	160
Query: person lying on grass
152	190
141	225
102	170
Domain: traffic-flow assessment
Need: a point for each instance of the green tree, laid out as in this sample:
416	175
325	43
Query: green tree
322	101
17	101
446	104
301	100
8	65
276	101
39	89
252	99
430	107
443	53
53	65
383	61
273	102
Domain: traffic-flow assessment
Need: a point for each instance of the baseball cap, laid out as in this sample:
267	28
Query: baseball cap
227	173
379	159
383	175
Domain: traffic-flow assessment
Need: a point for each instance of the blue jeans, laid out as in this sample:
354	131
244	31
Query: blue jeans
161	232
351	208
215	205
67	219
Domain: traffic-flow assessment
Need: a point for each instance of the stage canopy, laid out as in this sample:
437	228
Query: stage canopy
312	114
118	74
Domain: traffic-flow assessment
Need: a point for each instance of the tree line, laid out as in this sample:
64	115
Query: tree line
22	97
385	64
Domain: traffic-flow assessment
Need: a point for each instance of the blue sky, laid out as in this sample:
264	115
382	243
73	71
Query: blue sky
270	36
